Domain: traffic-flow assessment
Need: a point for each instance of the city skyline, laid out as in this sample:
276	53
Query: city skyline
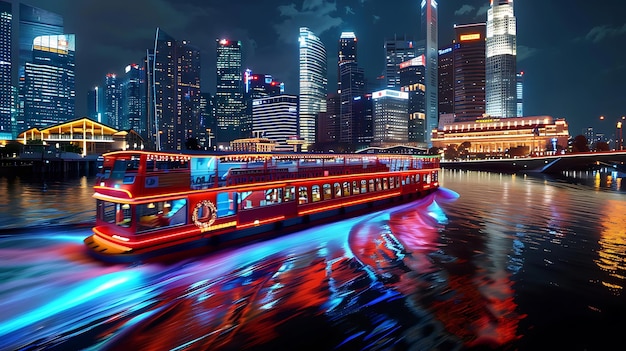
552	44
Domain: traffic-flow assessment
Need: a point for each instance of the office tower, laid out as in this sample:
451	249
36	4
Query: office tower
313	84
391	124
363	110
33	22
352	86
6	95
347	53
276	118
430	36
328	123
188	92
501	53
469	70
446	80
48	87
94	104
262	85
111	101
396	52
412	78
229	96
132	100
207	121
520	94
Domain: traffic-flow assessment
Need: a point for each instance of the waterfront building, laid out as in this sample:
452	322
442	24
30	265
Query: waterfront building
7	121
111	101
396	52
313	84
48	85
514	136
501	55
391	121
520	94
132	100
469	71
276	118
254	144
230	105
445	70
412	77
431	40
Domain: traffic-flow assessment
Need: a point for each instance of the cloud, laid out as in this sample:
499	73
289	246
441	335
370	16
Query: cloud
599	33
349	10
524	52
318	15
482	11
465	9
376	18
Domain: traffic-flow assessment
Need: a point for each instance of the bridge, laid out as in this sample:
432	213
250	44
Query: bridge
554	164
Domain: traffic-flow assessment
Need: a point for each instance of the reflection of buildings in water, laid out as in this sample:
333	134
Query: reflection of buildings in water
612	250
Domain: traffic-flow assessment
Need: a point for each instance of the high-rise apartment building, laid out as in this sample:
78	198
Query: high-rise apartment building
396	52
48	84
501	54
111	101
313	84
520	94
391	125
412	77
6	95
431	41
347	53
230	105
469	71
276	118
132	100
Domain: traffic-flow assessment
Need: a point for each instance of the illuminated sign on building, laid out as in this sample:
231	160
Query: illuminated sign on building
390	93
417	61
445	51
61	44
468	37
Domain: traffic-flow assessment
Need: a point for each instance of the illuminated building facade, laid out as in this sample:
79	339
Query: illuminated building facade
446	81
230	105
313	84
207	120
111	101
347	53
412	77
188	92
49	83
520	94
363	109
260	86
328	122
501	54
469	71
430	36
396	52
276	118
7	130
352	86
498	136
94	102
391	124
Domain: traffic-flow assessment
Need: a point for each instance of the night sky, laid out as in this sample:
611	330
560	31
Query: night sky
571	52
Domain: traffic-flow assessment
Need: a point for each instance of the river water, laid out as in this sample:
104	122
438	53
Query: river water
489	261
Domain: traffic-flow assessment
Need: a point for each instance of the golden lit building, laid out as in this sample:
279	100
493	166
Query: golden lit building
496	136
253	145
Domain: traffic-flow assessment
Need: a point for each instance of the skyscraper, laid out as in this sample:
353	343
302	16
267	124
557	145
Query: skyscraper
390	117
313	84
501	54
230	106
112	101
132	100
49	88
94	108
430	36
396	52
6	94
262	85
469	71
351	84
276	117
188	92
412	76
347	53
445	95
520	94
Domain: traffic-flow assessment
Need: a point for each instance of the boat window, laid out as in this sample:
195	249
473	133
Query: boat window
315	193
378	186
337	190
161	214
290	193
346	189
303	196
372	188
363	186
328	194
259	198
355	187
114	213
417	178
225	203
385	184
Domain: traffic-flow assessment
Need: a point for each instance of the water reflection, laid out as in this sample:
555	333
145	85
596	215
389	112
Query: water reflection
612	251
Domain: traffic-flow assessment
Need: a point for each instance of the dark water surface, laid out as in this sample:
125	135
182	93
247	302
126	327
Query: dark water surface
490	261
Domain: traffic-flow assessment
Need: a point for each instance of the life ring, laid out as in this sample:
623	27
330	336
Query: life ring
208	213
